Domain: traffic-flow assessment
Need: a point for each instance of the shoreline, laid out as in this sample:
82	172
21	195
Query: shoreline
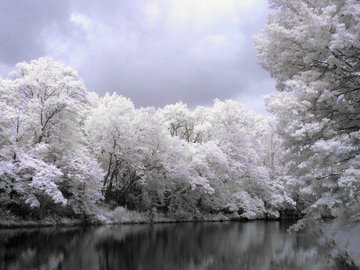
76	222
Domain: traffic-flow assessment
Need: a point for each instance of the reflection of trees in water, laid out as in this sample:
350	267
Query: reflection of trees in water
258	245
255	245
43	248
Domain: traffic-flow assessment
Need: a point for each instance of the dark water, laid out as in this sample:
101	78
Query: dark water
218	246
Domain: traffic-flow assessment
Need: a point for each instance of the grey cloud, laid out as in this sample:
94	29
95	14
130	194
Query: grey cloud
116	48
21	25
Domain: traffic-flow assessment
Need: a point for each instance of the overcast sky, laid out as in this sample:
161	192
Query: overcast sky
155	52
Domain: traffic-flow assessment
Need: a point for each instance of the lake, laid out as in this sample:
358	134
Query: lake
218	246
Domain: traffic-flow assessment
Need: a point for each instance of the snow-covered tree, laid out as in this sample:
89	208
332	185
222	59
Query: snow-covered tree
181	122
136	150
53	95
312	48
237	140
111	136
44	103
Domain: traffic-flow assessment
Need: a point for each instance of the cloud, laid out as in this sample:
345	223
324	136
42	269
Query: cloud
22	24
155	52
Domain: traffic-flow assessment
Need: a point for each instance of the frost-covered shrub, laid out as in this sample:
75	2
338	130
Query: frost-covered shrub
28	177
247	206
123	215
83	181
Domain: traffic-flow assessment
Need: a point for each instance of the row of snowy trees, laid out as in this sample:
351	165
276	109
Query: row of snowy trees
312	48
66	150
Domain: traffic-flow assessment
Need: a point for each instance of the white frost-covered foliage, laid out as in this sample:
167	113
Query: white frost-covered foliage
154	157
83	176
251	207
233	150
28	175
42	105
62	144
135	148
312	48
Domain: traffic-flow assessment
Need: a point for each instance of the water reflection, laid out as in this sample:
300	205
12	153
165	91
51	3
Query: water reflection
229	245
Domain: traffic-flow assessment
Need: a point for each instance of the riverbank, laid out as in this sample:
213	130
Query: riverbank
15	222
121	215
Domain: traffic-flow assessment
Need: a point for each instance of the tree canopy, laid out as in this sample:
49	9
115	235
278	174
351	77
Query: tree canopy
63	147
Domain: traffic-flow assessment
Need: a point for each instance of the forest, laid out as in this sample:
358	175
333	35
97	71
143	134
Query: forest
66	153
65	150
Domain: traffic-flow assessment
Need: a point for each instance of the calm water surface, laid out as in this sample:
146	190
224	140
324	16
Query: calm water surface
218	246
